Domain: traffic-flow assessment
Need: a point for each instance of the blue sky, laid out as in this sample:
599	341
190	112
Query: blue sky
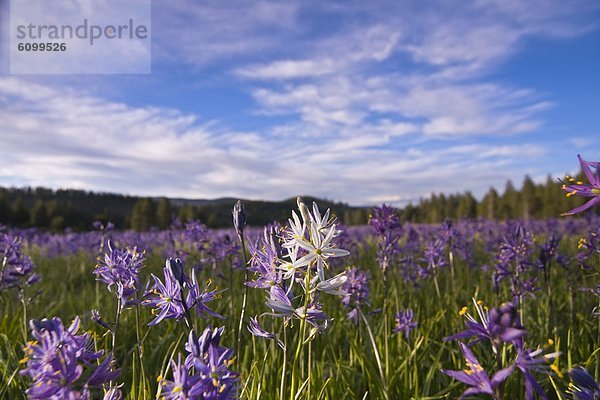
361	102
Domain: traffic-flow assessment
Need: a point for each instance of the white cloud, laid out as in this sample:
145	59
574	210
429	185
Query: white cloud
378	104
66	138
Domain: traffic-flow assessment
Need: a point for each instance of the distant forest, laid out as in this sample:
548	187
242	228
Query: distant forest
76	209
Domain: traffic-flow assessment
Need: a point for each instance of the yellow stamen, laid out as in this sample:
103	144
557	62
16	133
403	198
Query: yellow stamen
550	342
554	368
463	311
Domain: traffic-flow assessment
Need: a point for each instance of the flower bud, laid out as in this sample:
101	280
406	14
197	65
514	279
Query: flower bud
239	217
176	267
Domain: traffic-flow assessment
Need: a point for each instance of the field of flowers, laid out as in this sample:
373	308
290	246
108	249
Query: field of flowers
501	310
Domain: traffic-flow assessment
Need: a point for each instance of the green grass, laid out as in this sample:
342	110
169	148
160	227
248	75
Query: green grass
343	359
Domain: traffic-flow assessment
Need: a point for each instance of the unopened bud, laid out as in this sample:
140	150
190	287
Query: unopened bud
239	217
176	267
304	211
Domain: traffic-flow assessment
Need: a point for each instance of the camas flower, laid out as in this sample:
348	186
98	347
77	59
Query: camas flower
591	189
476	377
167	298
256	330
121	268
583	385
404	322
16	269
205	372
529	361
357	292
59	359
499	325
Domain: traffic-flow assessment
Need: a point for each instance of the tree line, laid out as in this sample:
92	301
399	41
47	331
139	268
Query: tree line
76	209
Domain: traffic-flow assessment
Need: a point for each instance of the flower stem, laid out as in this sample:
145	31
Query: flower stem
114	332
24	303
244	298
140	346
301	334
283	369
377	358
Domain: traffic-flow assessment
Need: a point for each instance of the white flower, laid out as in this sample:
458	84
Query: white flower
320	248
333	285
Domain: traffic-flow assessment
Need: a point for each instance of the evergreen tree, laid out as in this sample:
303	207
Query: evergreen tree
4	209
467	206
509	203
488	207
163	213
20	215
531	202
39	215
143	215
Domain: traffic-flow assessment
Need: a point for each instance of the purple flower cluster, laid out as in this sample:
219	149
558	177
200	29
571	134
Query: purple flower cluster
205	373
196	234
16	269
167	298
120	269
266	254
591	189
63	364
589	248
404	322
357	292
499	326
514	262
584	386
387	227
476	377
434	256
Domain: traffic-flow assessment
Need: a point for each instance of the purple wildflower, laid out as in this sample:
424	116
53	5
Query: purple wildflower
256	330
211	362
16	269
205	372
584	386
476	377
357	292
591	189
58	359
514	262
196	234
121	268
386	224
167	299
98	319
434	254
528	361
266	255
404	322
499	325
179	387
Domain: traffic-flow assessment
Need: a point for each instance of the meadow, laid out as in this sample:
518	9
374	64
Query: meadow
387	310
